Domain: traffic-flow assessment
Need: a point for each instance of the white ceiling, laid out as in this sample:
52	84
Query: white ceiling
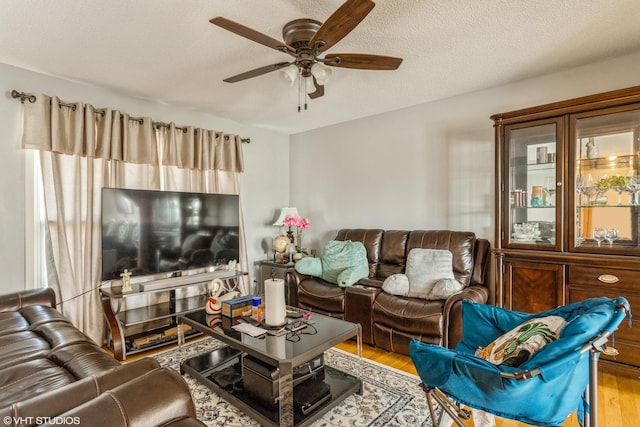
167	50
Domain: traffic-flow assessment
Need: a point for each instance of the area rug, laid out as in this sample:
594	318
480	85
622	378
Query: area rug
390	397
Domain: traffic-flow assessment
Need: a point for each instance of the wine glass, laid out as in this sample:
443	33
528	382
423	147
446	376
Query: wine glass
550	188
611	235
619	186
599	235
585	185
633	187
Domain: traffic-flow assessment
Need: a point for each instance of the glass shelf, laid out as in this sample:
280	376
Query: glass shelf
613	161
626	206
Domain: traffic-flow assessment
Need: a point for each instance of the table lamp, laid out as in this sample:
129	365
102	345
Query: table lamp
284	214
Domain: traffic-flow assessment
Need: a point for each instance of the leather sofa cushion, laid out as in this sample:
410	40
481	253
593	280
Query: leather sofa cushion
410	315
11	322
61	334
21	347
28	318
322	296
21	381
393	254
83	359
38	315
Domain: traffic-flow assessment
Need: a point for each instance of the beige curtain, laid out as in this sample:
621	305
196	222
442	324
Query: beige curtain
203	161
82	150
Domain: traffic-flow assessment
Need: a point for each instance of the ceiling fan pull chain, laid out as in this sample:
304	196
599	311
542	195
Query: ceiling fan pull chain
299	87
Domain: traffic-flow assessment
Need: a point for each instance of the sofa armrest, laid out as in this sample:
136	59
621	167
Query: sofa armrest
452	313
371	283
138	393
62	399
292	280
157	398
17	300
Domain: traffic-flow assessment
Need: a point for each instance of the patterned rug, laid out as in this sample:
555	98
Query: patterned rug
390	397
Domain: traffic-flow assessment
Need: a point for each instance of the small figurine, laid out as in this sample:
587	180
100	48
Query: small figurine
592	149
126	281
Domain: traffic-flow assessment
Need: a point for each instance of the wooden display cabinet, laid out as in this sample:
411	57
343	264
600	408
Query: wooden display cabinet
568	207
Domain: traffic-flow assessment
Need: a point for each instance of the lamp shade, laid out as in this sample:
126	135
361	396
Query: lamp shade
284	214
321	72
290	74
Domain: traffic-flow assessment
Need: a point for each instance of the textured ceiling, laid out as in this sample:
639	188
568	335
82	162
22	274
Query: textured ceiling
167	50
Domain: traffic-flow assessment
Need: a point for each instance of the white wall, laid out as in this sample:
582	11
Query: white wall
262	195
430	166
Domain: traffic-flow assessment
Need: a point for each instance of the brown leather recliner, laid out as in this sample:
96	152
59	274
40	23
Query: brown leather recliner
390	321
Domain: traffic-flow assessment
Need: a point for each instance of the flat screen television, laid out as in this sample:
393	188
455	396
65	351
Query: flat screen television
149	232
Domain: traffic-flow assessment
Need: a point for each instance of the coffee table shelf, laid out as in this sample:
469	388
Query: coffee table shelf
283	355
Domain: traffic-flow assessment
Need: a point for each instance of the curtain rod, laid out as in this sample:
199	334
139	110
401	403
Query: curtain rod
32	98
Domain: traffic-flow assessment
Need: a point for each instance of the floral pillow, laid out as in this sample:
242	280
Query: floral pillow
519	344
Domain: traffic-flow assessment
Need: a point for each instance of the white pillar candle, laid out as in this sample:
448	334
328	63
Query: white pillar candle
274	305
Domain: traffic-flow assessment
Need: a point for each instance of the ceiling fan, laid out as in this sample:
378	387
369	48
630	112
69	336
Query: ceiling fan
306	39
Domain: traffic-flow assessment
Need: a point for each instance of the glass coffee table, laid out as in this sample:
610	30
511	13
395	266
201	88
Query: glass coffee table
278	378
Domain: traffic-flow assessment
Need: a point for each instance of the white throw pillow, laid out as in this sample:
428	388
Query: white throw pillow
396	284
429	276
444	288
425	268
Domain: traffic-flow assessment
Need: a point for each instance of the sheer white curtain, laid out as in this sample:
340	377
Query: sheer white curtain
83	150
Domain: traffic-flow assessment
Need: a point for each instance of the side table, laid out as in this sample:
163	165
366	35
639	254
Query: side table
269	269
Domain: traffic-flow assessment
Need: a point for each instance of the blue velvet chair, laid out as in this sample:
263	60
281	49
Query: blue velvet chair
544	390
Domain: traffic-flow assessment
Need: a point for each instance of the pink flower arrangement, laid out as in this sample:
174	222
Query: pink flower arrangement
300	224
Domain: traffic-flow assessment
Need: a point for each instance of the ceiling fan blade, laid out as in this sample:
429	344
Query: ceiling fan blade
319	90
251	34
257	72
341	23
362	61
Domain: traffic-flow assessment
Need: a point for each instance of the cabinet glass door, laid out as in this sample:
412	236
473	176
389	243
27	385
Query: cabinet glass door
532	183
607	181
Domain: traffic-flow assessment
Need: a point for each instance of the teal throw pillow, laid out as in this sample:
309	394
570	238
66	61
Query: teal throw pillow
344	262
309	265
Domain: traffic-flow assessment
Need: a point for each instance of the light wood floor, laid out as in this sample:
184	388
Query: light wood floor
618	395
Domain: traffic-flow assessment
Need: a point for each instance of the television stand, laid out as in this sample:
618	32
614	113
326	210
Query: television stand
146	317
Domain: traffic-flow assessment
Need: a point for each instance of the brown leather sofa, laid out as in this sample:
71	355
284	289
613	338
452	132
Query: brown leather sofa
51	373
389	321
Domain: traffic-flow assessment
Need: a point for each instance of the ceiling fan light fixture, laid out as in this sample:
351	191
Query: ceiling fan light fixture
307	85
304	40
321	72
290	74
